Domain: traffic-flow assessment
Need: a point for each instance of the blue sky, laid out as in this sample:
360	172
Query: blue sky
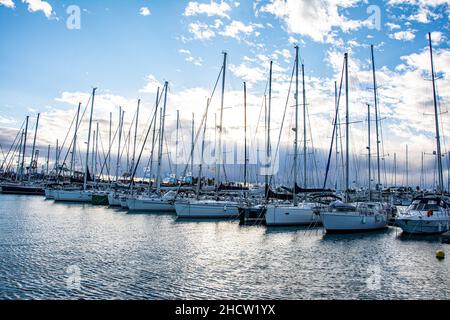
127	48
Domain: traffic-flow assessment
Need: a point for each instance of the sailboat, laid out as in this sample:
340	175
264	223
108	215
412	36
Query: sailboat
298	213
218	207
21	187
114	195
83	195
158	202
430	214
342	217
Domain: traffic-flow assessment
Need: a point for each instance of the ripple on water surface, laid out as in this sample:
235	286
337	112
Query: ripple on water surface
46	247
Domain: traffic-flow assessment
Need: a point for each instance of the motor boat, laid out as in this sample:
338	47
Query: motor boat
425	215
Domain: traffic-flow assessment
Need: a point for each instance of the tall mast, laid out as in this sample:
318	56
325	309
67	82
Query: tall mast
34	146
24	145
89	140
161	140
268	151
215	137
120	141
74	147
421	173
128	142
176	144
135	137
110	146
19	162
153	140
376	118
304	126
96	154
57	159
219	147
192	144
347	141
407	168
395	169
93	155
294	193
436	120
369	163
337	144
448	171
245	135
200	167
48	159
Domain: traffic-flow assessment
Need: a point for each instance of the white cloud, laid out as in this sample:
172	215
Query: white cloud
353	43
196	61
407	35
212	9
286	54
152	85
392	26
315	19
7	120
431	3
189	58
235	28
201	31
423	15
7	3
217	24
263	58
144	11
184	51
249	74
437	37
424	12
404	97
292	40
39	5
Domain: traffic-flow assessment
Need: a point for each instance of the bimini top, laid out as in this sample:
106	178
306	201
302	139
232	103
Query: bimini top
340	206
429	202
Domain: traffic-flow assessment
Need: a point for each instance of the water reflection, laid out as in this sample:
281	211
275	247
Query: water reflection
153	256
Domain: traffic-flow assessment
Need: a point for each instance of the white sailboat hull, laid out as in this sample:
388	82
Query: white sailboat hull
123	202
113	200
206	209
423	226
290	215
150	205
72	195
353	221
49	194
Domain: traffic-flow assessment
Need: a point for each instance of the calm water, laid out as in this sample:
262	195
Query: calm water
59	251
